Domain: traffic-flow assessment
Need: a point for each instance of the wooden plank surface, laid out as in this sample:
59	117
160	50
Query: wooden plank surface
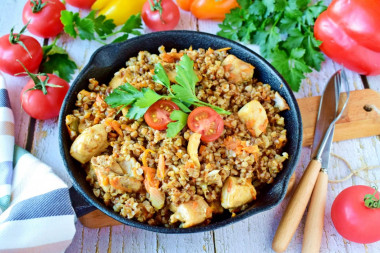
251	235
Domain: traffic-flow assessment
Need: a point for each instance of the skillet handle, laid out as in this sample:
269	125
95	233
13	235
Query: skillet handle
296	207
314	222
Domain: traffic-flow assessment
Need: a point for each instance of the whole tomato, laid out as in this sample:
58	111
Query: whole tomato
43	17
20	47
41	98
354	218
160	15
83	4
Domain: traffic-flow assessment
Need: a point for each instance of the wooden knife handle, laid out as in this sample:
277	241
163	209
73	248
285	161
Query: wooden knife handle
296	207
314	222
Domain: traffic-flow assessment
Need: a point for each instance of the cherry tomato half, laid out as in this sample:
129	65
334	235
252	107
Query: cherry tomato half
46	22
152	18
207	122
40	106
158	114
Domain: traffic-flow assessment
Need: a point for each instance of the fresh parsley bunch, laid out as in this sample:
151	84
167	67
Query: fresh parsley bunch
283	30
182	93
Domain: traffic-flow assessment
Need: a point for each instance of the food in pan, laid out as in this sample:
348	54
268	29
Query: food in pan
177	138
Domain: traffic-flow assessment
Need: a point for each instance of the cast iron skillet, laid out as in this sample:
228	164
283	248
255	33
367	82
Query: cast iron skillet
108	59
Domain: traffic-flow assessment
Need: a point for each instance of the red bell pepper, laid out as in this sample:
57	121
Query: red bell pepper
350	34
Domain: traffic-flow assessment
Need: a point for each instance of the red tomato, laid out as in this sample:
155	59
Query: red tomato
44	21
158	114
11	52
156	22
352	218
40	106
84	4
207	122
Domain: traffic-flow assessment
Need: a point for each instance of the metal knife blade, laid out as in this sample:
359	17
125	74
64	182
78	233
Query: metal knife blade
326	114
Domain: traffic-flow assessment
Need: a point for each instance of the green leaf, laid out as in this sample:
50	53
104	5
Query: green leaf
57	61
294	40
68	20
149	97
174	128
160	76
123	95
181	105
122	38
102	25
136	112
86	29
133	23
186	76
313	57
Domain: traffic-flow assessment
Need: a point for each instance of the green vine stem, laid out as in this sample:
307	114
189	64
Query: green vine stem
371	201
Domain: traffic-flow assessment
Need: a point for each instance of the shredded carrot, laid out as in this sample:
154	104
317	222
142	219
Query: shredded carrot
161	167
201	149
96	120
171	57
115	126
150	180
223	49
145	154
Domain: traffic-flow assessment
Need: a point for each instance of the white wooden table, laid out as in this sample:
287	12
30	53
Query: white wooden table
251	235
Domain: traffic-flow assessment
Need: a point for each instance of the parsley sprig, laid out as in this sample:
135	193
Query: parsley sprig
182	93
98	28
283	30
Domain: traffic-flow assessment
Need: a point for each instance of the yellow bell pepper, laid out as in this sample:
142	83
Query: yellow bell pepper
118	10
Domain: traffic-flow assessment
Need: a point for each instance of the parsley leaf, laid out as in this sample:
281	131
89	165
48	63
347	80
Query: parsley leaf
283	30
149	97
123	95
160	76
56	61
174	128
102	26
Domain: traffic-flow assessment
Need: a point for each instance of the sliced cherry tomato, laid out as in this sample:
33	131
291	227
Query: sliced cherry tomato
158	114
12	49
44	106
207	122
160	15
84	4
44	17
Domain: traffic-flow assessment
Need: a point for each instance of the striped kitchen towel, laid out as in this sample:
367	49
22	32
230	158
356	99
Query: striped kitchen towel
7	142
36	213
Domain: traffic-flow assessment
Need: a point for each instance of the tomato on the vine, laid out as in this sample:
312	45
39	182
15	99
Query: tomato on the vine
44	17
207	122
160	15
20	47
158	114
43	95
355	213
83	4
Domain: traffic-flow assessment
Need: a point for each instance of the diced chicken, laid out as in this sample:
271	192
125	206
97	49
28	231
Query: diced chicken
121	77
170	71
132	168
216	207
192	148
235	195
255	118
91	142
125	184
109	172
236	70
213	177
280	102
156	197
192	213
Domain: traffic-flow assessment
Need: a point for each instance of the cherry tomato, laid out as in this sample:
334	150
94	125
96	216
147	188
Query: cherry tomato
40	106
83	4
44	17
156	22
158	114
352	218
11	52
207	122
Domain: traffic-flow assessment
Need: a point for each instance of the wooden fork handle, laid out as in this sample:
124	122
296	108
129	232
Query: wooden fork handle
314	222
296	207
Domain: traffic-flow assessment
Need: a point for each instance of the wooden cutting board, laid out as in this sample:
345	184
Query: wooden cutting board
358	120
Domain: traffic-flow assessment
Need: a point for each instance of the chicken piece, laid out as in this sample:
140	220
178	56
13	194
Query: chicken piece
156	197
170	71
235	194
192	148
254	116
91	142
124	75
236	70
280	102
125	184
192	212
131	167
109	172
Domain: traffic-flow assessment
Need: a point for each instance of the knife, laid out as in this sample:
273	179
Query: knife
321	148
